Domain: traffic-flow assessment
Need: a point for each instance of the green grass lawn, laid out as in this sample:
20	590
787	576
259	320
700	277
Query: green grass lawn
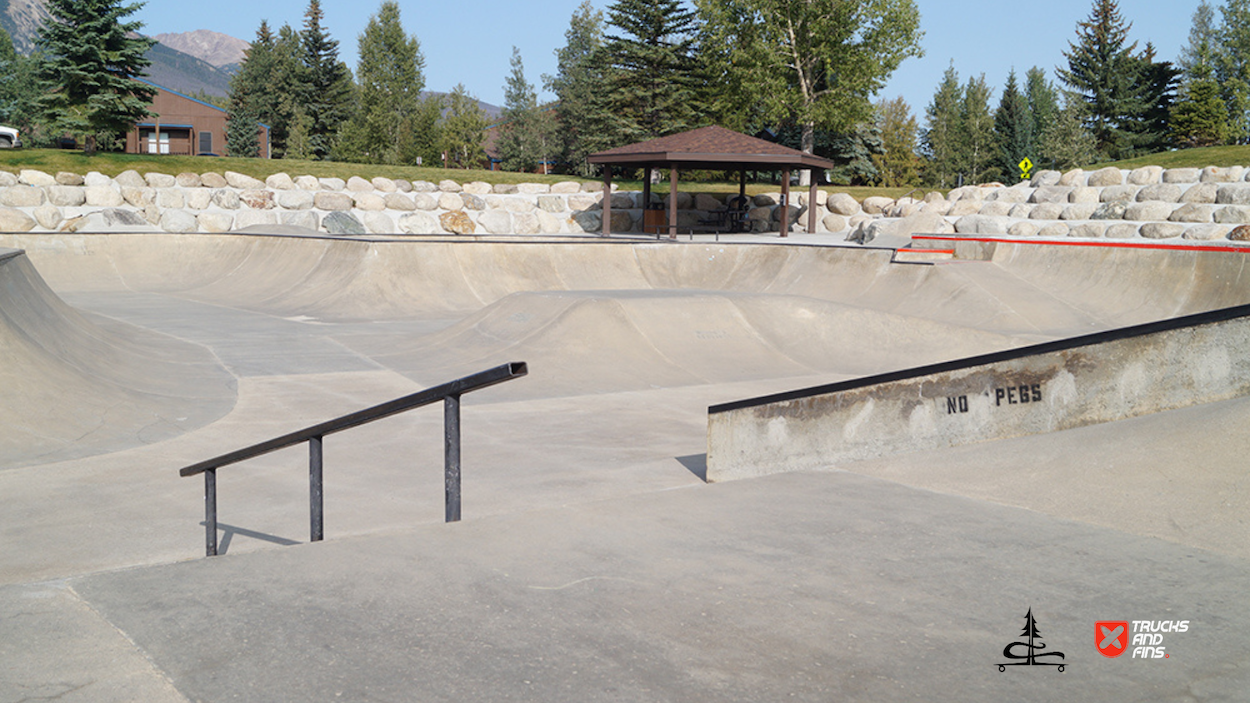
1188	158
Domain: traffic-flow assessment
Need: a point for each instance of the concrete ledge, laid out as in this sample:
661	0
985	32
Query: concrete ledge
1032	390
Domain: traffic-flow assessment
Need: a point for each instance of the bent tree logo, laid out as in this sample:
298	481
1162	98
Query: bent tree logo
1032	648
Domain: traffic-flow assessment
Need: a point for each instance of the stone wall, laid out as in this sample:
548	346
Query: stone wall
212	202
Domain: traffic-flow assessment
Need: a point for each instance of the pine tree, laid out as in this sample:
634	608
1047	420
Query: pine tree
463	129
1199	58
1102	70
1232	68
651	68
1013	126
1199	118
978	141
525	138
390	77
899	165
1156	87
942	140
327	91
242	129
91	59
1043	108
581	107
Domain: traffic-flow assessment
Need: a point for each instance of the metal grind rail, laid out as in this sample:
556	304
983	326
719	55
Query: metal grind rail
449	393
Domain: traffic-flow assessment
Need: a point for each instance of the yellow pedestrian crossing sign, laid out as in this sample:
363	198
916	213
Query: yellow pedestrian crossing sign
1025	167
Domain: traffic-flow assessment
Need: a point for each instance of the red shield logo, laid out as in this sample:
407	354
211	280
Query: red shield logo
1111	637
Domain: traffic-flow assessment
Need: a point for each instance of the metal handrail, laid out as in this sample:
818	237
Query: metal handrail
449	393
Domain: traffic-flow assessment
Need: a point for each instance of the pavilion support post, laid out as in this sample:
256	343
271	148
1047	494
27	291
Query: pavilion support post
742	184
785	203
811	202
646	196
607	199
672	203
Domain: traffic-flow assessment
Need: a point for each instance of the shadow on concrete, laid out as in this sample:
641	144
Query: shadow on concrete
229	531
696	463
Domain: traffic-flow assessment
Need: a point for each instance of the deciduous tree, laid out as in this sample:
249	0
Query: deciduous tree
91	58
1066	141
898	165
462	129
390	76
817	64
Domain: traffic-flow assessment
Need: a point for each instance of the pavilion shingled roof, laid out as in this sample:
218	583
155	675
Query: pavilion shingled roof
710	145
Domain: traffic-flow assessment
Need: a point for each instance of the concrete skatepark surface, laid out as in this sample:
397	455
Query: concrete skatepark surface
593	562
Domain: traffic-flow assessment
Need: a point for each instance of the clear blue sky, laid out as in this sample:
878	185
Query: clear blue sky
471	41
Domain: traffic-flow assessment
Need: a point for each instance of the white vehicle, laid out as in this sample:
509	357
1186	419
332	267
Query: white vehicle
9	138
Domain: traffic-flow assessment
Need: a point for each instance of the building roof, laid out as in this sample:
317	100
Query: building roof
709	147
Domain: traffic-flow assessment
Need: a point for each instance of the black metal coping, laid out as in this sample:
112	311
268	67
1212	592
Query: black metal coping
1149	328
477	381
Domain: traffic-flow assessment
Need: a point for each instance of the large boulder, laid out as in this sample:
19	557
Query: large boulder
496	222
1109	176
1075	177
66	178
1206	233
419	223
178	222
1181	175
130	179
1161	230
15	221
385	185
1084	194
198	198
1054	229
227	199
1162	192
533	188
457	222
964	206
1234	194
1088	230
189	180
1201	193
215	221
1047	211
1149	211
378	223
243	182
981	224
399	201
280	181
1023	229
1042	179
1146	175
303	219
341	223
1193	212
48	216
257	199
332	202
565	188
295	199
875	205
171	197
22	196
139	197
1240	234
995	208
369	201
1110	211
213	180
1112	194
308	183
117	217
1123	230
332	184
1051	194
255	218
31	177
1216	174
103	196
448	186
842	204
1233	215
1079	211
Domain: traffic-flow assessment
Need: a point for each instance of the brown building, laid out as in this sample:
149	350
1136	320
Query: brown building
184	126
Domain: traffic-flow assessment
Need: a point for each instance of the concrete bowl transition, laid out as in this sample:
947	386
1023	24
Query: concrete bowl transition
595	562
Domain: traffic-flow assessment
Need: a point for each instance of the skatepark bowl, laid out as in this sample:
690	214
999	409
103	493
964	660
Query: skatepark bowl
594	561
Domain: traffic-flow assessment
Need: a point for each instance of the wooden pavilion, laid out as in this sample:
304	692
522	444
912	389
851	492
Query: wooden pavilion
709	148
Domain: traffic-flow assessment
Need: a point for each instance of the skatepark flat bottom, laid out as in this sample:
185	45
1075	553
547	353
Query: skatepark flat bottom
593	563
